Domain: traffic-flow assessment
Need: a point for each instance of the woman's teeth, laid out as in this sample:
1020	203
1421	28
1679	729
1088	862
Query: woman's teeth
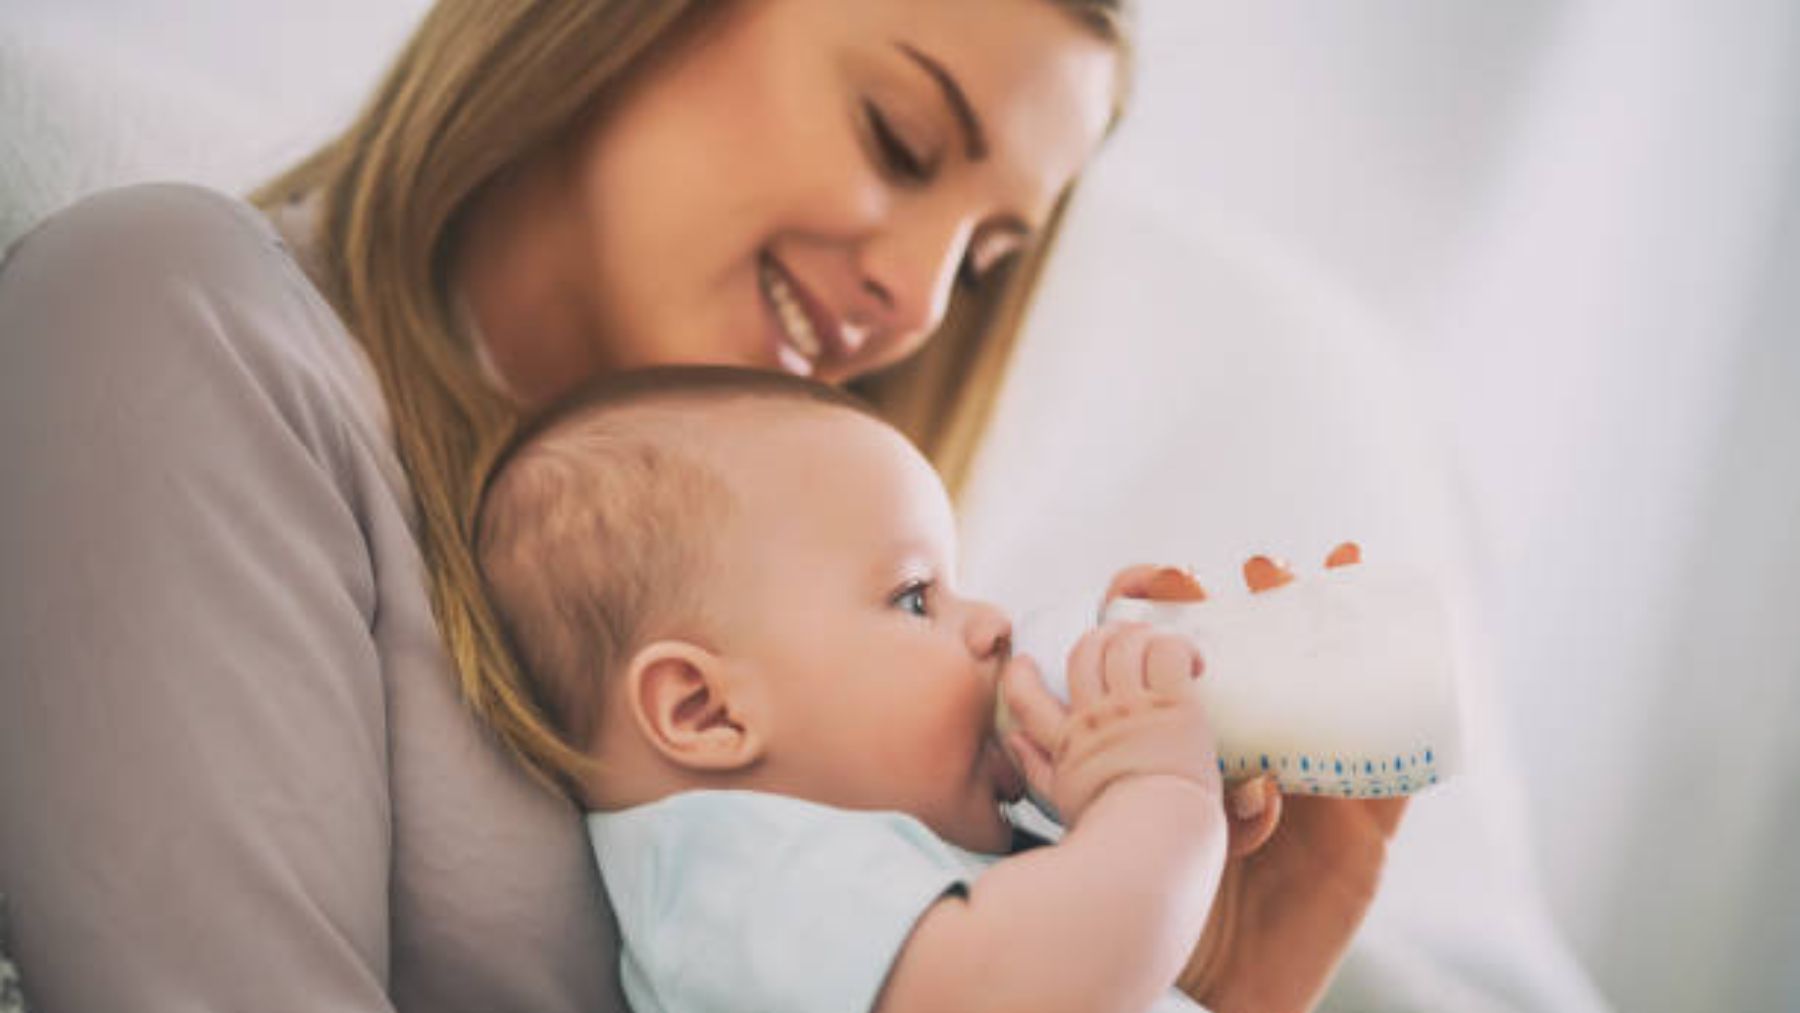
794	321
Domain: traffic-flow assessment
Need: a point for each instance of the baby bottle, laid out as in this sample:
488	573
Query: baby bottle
1340	683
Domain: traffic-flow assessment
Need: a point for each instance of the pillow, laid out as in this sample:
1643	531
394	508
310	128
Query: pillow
80	114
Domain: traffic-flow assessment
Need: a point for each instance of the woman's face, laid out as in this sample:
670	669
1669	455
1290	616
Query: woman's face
802	184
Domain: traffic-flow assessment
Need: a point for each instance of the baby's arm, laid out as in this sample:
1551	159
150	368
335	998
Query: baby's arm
1104	919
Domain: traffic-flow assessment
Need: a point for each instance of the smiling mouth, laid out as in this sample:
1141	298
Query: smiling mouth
800	337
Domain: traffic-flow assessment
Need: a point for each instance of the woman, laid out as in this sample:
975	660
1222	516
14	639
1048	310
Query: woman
248	663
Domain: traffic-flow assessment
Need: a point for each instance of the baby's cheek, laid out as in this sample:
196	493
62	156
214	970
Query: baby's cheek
966	732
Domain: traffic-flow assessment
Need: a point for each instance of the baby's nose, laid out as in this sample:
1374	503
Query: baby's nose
990	633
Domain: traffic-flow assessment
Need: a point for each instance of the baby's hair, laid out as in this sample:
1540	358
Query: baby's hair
595	529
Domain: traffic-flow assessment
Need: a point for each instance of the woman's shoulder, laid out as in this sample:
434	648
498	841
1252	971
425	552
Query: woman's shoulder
152	229
124	255
172	278
183	309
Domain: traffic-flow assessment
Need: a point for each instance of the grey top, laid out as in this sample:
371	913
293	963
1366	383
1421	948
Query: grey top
234	770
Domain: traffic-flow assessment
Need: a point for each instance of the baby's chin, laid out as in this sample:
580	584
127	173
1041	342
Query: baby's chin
988	833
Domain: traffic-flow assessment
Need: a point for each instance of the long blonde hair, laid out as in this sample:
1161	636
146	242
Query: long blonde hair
480	85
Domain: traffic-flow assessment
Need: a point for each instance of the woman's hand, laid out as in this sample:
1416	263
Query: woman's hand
1301	871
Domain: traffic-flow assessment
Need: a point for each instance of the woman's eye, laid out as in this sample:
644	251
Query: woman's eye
895	154
968	277
975	278
912	598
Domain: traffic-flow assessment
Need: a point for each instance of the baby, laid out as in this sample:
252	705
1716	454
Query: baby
732	594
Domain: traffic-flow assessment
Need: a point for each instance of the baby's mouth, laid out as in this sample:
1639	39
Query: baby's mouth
1009	781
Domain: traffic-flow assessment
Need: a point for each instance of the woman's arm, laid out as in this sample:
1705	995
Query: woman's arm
193	786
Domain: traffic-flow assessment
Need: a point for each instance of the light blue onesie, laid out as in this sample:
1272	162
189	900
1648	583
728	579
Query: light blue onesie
742	902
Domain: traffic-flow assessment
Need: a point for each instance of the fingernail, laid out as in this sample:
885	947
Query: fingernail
1174	584
1264	574
1347	554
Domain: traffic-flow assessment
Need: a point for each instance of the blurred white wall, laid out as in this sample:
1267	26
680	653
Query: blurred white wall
312	62
1581	224
1512	289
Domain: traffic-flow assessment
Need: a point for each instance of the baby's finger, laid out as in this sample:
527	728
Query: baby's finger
1122	670
1084	667
1034	763
1038	713
1171	664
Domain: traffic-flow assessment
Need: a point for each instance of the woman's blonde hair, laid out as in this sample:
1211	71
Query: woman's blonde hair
479	86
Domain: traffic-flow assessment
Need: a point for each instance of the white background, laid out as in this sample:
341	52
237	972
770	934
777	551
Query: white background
1508	289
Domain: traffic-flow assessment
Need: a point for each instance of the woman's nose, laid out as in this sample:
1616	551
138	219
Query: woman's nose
908	274
989	632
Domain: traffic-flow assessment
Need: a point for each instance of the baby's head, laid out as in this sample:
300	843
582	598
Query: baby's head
720	578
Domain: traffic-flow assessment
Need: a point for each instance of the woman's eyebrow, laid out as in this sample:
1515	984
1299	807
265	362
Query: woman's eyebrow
974	138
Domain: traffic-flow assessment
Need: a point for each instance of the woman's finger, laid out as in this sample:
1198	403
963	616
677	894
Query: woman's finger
1261	573
1153	583
1172	583
1387	812
1255	808
1129	583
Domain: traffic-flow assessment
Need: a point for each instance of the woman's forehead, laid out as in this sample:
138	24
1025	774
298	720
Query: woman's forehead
1018	61
1030	81
1040	85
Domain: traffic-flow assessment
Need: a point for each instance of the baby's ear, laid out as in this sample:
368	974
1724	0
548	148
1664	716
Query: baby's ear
682	698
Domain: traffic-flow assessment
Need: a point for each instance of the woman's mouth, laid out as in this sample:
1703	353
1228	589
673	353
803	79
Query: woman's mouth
800	343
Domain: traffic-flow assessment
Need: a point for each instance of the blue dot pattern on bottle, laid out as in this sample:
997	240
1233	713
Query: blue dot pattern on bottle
1379	777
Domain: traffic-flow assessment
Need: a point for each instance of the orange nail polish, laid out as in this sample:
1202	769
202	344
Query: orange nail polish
1264	574
1174	584
1347	554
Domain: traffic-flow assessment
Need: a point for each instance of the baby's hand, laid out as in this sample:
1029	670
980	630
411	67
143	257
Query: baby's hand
1133	712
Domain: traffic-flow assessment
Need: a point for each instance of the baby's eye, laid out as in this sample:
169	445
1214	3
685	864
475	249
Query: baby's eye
914	598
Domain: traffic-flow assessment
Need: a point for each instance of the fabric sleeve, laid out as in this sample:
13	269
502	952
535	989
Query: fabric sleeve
735	901
193	794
